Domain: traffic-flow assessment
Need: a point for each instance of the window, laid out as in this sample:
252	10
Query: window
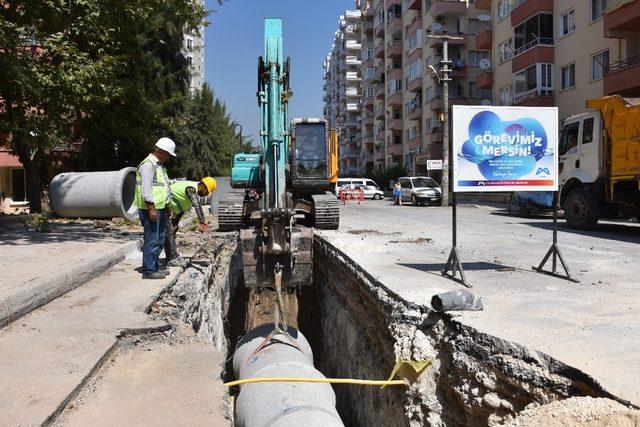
536	79
568	76
475	56
405	183
474	92
504	7
189	44
395	11
587	130
475	26
414	40
569	137
415	70
394	86
379	18
534	31
367	54
505	94
599	65
567	24
597	9
189	60
368	73
506	50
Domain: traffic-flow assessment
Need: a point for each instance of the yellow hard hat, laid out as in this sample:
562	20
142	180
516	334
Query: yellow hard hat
210	183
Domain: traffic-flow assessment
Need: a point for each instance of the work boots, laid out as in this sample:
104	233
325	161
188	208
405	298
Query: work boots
156	275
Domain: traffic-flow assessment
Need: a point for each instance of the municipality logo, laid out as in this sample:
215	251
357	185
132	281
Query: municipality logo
543	171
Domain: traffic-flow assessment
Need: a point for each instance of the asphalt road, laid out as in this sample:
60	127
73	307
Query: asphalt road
591	325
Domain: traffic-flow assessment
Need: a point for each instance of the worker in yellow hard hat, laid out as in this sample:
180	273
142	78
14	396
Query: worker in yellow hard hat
185	194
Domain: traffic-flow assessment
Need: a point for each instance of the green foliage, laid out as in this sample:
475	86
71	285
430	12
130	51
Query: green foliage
206	137
383	176
39	223
67	64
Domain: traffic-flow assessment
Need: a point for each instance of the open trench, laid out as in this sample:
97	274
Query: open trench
357	328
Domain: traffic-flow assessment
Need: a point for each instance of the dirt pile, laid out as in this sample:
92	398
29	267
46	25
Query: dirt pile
578	411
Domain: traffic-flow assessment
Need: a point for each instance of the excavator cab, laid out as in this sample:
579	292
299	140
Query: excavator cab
310	155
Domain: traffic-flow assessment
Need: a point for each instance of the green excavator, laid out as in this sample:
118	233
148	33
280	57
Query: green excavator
287	185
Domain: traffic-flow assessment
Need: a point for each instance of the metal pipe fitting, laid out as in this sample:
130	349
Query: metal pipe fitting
94	194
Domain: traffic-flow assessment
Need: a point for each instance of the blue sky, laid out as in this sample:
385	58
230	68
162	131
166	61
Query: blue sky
234	40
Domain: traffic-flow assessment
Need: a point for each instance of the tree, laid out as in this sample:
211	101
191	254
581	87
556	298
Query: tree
206	137
62	63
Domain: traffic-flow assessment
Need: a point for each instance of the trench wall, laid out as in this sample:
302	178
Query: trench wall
359	328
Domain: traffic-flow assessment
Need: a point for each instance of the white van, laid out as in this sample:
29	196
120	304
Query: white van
355	181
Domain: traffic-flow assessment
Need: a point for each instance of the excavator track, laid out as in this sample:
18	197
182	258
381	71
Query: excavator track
231	211
326	211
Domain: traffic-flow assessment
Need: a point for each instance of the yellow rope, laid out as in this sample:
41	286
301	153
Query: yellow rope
316	380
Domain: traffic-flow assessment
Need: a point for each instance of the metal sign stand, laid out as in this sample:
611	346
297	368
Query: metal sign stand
554	251
453	262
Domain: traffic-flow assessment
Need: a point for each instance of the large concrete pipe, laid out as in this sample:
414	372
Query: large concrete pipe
94	194
281	404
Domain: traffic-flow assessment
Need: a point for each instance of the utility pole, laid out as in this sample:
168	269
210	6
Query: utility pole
445	79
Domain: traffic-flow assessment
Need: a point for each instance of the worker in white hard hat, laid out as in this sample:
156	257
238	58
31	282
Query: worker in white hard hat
153	198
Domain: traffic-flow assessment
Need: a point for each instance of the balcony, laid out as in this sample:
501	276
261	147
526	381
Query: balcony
394	149
622	78
435	137
524	9
353	76
447	7
538	51
379	113
379	50
395	125
368	102
413	4
379	91
394	99
394	49
415	85
394	74
415	113
353	45
437	103
378	29
623	19
415	141
413	26
353	60
483	4
367	26
367	139
394	25
535	98
484	39
485	80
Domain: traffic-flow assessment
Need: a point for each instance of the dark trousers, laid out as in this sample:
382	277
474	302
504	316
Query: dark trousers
154	234
170	247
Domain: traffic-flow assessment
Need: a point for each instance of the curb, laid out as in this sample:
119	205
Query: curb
41	291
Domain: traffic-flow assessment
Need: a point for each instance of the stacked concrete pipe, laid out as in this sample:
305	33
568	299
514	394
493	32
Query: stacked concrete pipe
94	194
281	403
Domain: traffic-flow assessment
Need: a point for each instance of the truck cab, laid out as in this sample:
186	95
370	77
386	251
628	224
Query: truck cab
599	162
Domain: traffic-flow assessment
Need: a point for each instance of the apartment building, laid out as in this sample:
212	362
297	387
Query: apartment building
400	107
342	81
193	50
562	53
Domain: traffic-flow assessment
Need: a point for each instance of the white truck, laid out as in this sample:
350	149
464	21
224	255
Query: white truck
599	162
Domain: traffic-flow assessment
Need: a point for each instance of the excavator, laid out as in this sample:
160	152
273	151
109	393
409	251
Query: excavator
287	186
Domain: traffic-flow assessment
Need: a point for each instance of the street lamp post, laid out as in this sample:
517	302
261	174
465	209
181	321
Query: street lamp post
453	266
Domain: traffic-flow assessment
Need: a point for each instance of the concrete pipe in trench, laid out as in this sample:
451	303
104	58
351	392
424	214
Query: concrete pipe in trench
281	404
94	194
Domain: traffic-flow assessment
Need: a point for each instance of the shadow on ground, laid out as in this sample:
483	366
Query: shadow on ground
19	235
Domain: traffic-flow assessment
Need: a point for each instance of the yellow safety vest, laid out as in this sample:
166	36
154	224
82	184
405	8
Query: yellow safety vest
180	201
159	185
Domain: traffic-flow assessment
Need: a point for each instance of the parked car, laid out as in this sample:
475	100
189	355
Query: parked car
355	181
369	191
420	190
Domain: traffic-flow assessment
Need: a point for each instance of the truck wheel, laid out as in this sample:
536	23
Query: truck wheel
414	200
525	211
577	210
377	197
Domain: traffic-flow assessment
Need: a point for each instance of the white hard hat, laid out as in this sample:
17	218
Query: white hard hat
167	145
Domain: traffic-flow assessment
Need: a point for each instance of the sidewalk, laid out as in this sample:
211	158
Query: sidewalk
38	267
49	354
